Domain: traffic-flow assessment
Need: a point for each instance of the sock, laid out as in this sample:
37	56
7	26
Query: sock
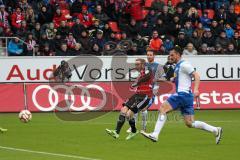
159	124
132	124
205	126
144	119
120	123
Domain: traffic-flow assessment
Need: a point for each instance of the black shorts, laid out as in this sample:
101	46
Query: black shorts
137	102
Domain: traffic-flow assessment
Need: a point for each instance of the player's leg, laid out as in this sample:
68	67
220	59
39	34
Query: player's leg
144	119
141	102
170	104
162	117
191	123
145	114
131	120
121	119
187	111
135	116
120	123
122	116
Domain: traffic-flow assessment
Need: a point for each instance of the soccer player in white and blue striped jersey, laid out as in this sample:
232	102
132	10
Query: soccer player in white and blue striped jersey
182	99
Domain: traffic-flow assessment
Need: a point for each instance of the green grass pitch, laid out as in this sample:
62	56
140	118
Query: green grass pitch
48	138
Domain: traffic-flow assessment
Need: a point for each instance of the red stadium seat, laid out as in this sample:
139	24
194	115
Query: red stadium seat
148	3
175	2
145	13
210	12
199	12
114	26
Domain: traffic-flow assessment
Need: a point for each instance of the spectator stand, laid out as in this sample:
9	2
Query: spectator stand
115	19
18	50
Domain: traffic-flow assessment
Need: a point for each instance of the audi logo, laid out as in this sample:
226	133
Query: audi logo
53	97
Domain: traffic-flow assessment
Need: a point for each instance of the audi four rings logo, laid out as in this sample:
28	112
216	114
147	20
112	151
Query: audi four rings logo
53	97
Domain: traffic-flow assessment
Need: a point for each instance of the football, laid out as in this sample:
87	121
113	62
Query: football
25	116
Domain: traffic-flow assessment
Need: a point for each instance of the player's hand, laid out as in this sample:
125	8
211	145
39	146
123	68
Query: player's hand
196	93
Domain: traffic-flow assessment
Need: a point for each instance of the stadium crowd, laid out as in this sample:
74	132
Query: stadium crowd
91	27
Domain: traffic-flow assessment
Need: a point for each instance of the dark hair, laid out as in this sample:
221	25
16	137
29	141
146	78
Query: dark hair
177	49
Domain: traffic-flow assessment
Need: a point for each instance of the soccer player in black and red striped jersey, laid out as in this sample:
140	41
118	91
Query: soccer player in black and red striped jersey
138	101
158	73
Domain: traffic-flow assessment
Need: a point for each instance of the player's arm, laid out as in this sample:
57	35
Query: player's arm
146	77
196	83
189	69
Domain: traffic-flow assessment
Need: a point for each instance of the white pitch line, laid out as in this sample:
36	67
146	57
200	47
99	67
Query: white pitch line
48	153
111	123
